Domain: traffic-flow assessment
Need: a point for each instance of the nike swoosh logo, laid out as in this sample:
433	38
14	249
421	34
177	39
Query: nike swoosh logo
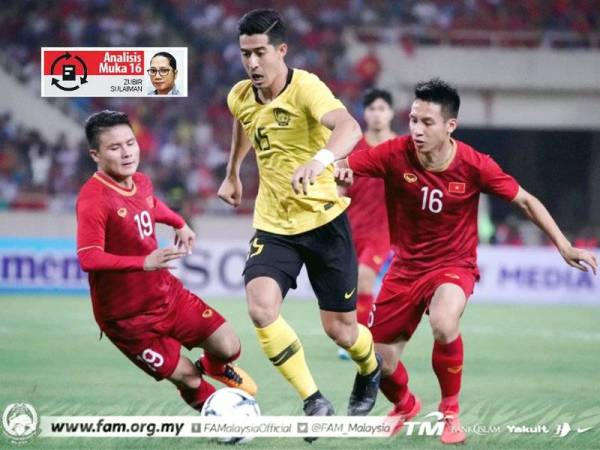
583	430
347	295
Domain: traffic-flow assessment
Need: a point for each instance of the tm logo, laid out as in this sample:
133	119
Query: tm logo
427	428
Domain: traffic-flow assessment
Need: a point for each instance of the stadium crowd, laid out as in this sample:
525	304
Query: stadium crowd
186	140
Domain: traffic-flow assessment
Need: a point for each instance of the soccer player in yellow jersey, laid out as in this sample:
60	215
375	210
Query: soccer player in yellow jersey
297	128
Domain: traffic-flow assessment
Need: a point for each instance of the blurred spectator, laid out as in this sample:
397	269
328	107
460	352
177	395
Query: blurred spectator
368	68
185	141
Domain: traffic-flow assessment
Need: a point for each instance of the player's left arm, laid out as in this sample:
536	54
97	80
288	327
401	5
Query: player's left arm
538	214
345	134
184	235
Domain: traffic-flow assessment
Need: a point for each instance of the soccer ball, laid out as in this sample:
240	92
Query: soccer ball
231	402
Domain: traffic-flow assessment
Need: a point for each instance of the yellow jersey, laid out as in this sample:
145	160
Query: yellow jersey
287	133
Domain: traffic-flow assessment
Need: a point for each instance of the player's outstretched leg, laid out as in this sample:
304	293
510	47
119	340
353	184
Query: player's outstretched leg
366	383
192	387
222	370
221	348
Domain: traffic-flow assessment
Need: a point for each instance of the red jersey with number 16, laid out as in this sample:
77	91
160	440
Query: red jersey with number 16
433	215
115	233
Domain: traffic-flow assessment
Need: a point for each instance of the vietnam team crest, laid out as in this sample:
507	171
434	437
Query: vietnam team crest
20	422
282	117
410	177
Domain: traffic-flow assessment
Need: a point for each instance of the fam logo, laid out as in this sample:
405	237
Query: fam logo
68	73
20	422
282	117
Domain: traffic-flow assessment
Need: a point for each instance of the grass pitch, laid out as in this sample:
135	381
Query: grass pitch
524	366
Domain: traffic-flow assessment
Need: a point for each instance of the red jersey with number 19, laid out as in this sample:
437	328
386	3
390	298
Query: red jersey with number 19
115	233
433	215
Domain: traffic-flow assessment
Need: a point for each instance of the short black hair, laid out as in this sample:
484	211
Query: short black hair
171	58
440	92
263	21
100	121
373	94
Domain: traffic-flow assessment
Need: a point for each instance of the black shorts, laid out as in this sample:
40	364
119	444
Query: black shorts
327	251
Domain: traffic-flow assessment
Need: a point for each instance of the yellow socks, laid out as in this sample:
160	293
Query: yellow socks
282	346
362	351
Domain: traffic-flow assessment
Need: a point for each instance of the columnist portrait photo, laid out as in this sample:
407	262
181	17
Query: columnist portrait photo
163	74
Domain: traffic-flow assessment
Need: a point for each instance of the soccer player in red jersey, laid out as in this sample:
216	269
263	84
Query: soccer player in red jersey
432	186
368	217
138	304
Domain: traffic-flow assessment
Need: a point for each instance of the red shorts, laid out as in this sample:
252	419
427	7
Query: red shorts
371	252
401	302
155	347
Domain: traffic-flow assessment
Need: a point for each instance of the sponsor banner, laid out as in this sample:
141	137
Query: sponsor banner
21	424
113	72
532	275
508	274
40	264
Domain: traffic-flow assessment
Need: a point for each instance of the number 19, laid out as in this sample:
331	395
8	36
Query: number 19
144	223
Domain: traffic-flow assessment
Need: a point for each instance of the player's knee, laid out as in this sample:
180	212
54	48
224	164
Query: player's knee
263	305
340	333
262	315
444	329
230	348
388	366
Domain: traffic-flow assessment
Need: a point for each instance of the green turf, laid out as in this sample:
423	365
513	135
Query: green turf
524	366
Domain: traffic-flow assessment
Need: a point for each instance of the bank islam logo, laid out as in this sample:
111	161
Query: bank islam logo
20	422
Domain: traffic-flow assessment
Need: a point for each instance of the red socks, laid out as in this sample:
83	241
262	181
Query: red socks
363	308
196	397
213	365
447	362
395	386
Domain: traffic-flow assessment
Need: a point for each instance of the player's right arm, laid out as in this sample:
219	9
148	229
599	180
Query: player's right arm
231	187
373	162
91	228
